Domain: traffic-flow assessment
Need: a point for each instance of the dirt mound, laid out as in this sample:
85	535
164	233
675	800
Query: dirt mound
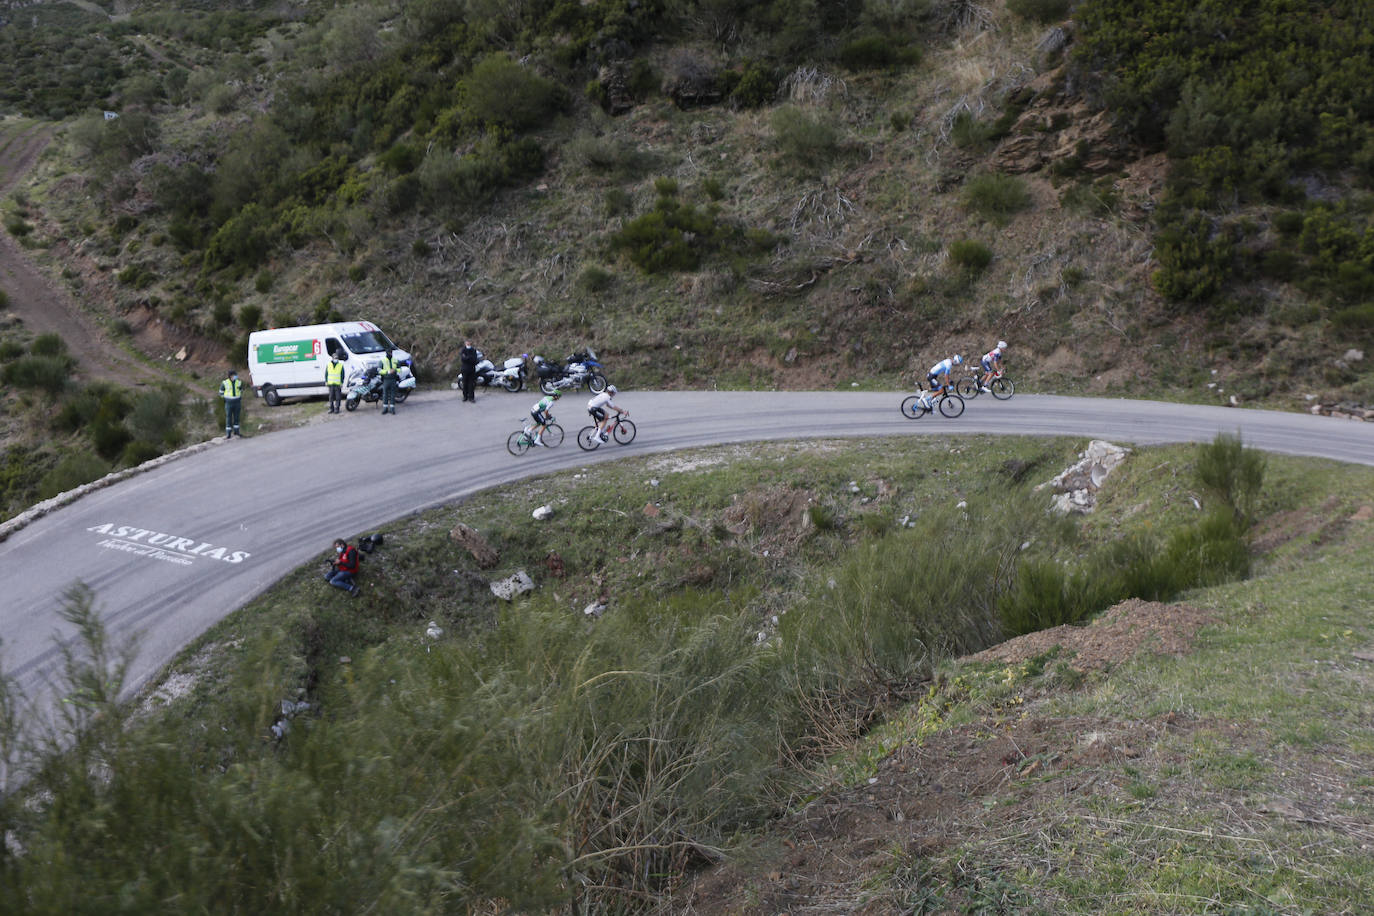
777	516
1114	637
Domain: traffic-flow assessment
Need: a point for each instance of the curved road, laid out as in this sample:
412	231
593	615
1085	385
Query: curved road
172	551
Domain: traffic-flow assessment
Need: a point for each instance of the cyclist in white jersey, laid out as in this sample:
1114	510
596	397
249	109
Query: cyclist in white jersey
992	365
938	378
598	407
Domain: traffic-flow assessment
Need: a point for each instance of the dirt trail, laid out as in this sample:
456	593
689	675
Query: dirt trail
42	306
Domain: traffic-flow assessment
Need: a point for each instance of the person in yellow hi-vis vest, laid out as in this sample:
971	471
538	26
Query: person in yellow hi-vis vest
231	389
333	377
390	377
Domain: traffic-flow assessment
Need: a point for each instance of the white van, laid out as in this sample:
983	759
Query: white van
290	362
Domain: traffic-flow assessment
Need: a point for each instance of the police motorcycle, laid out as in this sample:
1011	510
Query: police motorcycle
581	369
367	386
510	376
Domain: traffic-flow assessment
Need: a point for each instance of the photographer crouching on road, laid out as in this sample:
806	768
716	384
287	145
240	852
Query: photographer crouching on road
343	567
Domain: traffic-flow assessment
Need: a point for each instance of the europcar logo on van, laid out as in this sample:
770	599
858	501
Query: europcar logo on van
291	351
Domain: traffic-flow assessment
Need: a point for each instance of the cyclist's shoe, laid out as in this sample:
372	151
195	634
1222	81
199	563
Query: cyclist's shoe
985	389
537	440
603	437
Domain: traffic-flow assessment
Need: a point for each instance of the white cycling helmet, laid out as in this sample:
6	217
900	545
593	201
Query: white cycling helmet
958	359
1001	344
611	389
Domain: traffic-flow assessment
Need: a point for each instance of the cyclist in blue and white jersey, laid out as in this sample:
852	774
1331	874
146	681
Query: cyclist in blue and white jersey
938	378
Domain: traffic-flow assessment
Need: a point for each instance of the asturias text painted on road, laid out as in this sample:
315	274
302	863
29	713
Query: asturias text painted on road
158	545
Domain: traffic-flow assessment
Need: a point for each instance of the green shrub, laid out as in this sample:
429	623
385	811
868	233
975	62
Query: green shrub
665	186
712	188
607	155
10	349
1048	594
1041	11
970	255
1195	259
617	201
46	373
420	248
4	299
401	158
997	197
137	452
877	52
357	272
138	276
804	142
250	317
17	227
757	86
502	92
594	279
263	281
966	131
70	473
155	419
222	313
49	344
1357	319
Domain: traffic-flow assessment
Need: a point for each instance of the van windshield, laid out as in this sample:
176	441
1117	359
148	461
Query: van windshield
368	342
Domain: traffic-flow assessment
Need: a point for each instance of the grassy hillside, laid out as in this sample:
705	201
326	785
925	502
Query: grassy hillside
762	613
798	193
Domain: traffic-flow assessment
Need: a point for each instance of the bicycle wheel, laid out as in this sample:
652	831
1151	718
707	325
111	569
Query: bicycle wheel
624	432
967	388
1002	388
518	443
587	439
951	405
553	436
912	408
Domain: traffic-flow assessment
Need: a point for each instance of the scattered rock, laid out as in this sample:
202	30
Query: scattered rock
595	609
472	541
653	481
345	660
508	589
1353	356
652	511
543	513
181	355
434	631
790	356
1363	514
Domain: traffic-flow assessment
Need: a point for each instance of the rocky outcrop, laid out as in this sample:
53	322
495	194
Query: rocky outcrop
1076	488
1347	410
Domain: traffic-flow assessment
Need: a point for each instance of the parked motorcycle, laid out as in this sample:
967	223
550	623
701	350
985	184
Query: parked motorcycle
581	369
510	376
367	386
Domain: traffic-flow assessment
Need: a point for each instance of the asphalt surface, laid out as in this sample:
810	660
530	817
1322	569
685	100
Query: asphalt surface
171	552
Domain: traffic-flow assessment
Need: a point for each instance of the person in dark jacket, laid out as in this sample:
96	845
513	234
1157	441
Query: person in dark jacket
343	567
467	363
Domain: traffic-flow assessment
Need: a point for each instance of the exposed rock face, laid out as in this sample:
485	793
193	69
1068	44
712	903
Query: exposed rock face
473	542
1077	486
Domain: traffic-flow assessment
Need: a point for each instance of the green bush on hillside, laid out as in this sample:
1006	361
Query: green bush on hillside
805	142
997	197
50	374
1041	11
70	473
676	236
970	255
878	52
503	93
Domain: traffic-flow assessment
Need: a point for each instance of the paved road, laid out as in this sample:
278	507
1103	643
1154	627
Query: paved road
172	551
